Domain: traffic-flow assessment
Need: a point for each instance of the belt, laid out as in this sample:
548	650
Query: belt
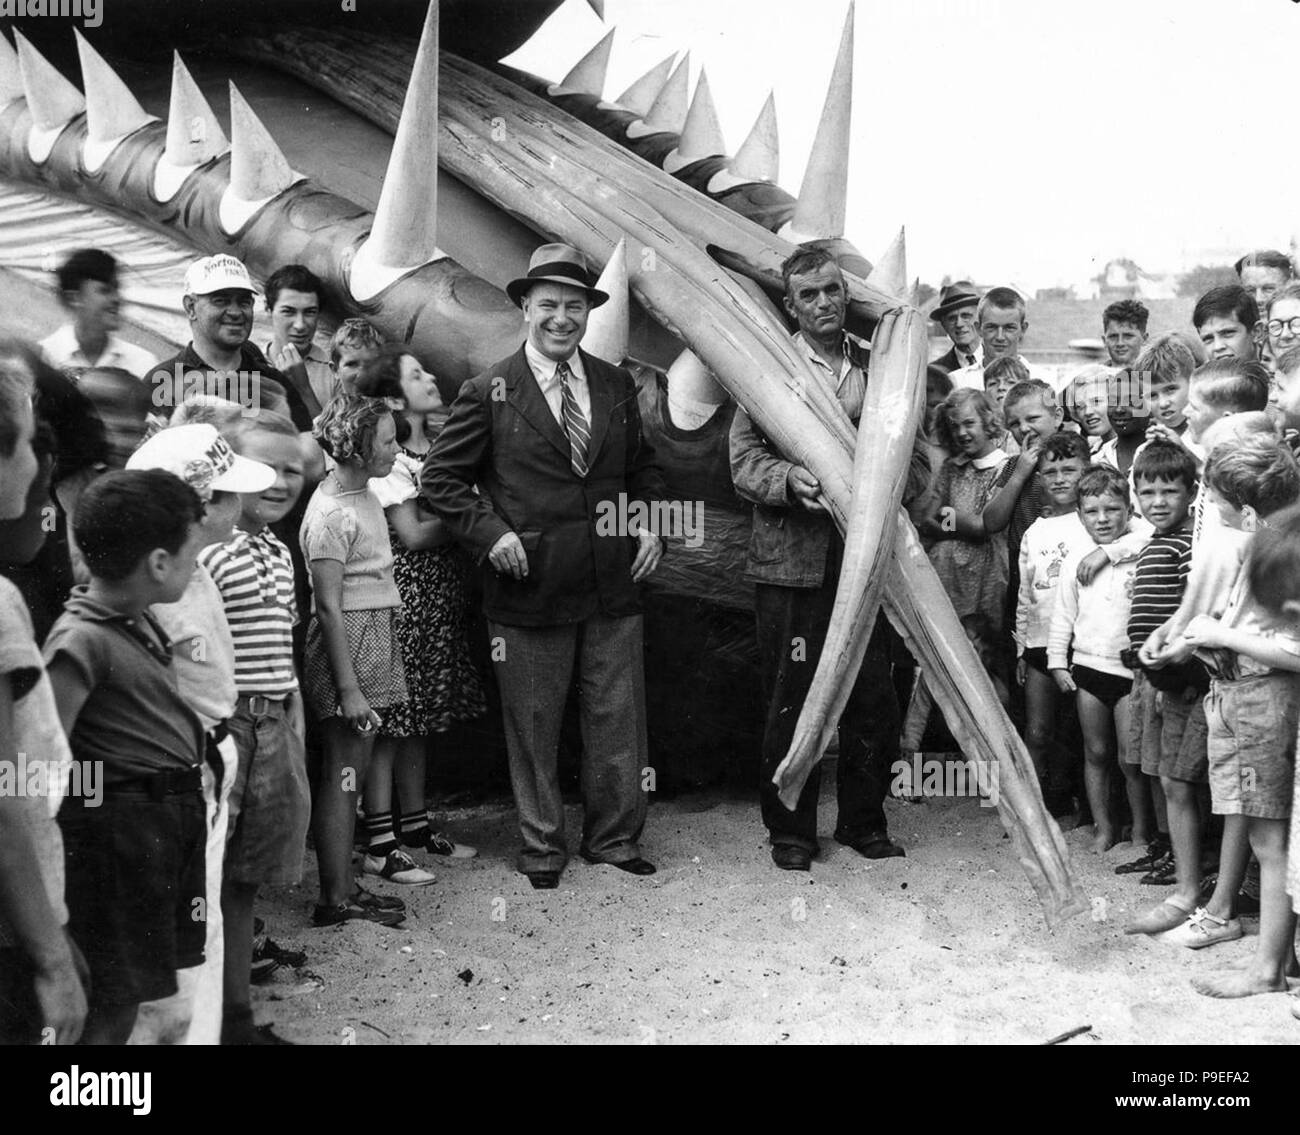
260	705
158	785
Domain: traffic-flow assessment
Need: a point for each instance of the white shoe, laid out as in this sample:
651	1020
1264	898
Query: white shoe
398	867
1203	929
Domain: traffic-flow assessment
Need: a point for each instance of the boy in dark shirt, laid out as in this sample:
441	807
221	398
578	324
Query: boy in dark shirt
135	859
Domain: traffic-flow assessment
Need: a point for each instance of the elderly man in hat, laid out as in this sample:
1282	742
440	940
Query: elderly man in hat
955	313
552	438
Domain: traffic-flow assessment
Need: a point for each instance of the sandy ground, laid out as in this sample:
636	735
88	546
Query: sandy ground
947	945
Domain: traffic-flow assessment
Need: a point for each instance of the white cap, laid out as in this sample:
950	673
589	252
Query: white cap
216	274
202	458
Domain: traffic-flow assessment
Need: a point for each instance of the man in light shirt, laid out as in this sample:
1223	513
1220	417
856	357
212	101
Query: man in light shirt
88	289
1000	320
293	297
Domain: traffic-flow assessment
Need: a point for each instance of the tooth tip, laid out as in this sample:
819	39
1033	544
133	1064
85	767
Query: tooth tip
759	157
640	96
405	229
824	193
668	112
702	133
194	135
51	98
258	167
588	74
112	111
608	333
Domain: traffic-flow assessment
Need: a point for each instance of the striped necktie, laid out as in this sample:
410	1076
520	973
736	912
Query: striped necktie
575	425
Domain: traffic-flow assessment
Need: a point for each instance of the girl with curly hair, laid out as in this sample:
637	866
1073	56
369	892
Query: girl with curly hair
971	563
353	673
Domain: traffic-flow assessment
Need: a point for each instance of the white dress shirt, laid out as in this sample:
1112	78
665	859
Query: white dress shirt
62	351
544	372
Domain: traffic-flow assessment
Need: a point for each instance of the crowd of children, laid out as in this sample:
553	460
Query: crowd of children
244	592
171	704
1143	558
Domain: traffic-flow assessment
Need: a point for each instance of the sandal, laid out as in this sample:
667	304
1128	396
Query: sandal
1163	874
1203	929
1157	849
1168	914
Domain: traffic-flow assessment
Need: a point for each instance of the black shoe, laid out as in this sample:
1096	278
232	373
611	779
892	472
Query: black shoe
267	950
791	857
1246	904
1157	849
365	898
1163	873
544	880
637	866
352	911
878	845
261	970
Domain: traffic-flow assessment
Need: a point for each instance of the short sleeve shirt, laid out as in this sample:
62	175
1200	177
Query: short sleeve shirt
351	528
134	719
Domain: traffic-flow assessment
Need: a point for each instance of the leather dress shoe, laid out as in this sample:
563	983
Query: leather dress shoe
544	880
877	845
637	866
790	857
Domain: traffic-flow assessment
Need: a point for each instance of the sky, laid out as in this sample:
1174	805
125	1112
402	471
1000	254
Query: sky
1018	141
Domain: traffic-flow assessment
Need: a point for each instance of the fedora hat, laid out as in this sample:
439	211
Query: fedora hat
961	294
556	264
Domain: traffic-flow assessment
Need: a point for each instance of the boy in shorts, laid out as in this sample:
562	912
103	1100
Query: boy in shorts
1087	637
1251	716
1167	719
270	802
1273	577
135	862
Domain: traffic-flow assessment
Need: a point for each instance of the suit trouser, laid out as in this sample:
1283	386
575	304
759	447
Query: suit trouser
534	667
792	624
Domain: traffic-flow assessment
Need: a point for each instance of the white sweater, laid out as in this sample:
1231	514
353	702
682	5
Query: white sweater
1094	618
1048	543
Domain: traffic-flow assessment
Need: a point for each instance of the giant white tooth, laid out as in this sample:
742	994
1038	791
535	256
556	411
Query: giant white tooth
405	232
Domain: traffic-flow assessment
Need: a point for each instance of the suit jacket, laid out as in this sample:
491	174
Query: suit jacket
502	437
950	361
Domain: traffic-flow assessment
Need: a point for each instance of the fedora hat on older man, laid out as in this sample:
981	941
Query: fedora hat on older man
961	294
556	264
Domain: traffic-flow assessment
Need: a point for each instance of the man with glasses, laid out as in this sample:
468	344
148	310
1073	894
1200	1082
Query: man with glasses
955	313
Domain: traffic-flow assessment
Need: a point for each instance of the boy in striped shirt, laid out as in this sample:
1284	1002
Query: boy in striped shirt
270	802
1167	717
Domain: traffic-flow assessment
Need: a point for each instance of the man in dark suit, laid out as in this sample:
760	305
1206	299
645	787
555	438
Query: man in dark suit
551	436
955	313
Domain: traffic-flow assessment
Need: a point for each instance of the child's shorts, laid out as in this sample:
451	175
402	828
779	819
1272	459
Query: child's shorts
1109	689
376	658
136	889
1252	738
270	803
1166	733
1036	659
